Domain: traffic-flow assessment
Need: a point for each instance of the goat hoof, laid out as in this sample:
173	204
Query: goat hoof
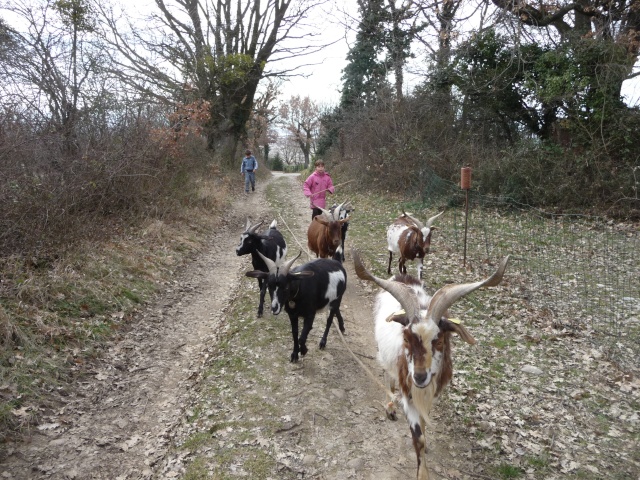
294	358
323	343
259	314
391	411
303	350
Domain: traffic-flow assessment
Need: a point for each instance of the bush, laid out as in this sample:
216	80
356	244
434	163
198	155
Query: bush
52	197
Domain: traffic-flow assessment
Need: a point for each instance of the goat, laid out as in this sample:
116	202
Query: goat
341	212
410	239
304	291
413	332
271	245
324	234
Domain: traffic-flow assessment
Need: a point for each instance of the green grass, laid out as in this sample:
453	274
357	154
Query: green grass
540	463
197	470
506	471
196	440
503	343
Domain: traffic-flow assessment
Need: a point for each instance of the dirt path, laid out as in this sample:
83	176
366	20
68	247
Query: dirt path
121	422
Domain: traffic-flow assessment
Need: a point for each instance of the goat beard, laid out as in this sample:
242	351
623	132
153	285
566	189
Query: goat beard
422	399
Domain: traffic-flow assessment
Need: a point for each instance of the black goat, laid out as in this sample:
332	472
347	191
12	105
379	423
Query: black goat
340	212
303	292
271	245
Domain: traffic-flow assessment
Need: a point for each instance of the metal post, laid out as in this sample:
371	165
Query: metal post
465	184
466	224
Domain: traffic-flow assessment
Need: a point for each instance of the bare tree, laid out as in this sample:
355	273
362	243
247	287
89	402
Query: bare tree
301	118
221	49
52	68
289	150
261	129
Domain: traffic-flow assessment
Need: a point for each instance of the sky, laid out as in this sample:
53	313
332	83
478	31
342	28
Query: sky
321	80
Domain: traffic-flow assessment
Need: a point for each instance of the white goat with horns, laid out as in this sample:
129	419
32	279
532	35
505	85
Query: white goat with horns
413	335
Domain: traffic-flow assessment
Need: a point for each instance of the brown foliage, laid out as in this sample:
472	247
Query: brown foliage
52	197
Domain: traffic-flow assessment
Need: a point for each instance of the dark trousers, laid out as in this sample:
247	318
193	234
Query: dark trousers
315	211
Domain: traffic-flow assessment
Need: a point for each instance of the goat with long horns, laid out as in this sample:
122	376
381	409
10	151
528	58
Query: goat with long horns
413	334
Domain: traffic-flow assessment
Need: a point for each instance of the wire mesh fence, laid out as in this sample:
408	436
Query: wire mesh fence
584	271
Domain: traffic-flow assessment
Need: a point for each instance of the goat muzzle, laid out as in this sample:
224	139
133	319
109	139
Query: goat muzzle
422	379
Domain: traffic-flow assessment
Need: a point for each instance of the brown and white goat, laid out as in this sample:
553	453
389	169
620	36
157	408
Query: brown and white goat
413	335
410	239
324	235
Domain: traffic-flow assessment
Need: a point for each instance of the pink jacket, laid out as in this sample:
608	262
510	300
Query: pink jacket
318	183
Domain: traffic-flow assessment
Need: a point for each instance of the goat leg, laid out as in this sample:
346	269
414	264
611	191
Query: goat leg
335	311
390	408
323	340
340	319
263	290
390	258
401	266
306	328
294	333
416	425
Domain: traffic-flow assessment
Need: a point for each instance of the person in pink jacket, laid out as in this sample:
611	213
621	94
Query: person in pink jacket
316	187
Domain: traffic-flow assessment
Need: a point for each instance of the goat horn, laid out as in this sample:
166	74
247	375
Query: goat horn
284	269
414	220
432	219
399	291
271	265
336	211
447	295
254	227
327	213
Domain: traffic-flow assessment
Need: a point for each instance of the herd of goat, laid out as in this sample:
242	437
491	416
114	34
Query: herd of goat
412	329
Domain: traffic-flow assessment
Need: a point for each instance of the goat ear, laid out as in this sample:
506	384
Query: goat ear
257	274
399	317
447	325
